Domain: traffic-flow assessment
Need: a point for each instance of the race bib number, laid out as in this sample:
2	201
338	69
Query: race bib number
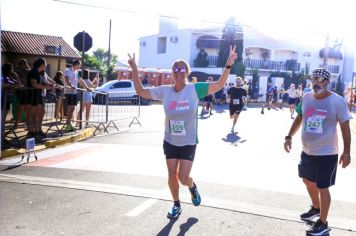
236	101
177	127
314	124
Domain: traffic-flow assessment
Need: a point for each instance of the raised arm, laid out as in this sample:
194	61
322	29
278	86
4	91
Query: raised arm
216	86
142	92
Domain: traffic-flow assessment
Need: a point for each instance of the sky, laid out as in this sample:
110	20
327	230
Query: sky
302	20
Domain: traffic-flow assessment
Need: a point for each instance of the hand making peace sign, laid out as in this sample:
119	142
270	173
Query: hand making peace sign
232	56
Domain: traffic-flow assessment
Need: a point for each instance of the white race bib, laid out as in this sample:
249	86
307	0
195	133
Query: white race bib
236	101
177	128
314	124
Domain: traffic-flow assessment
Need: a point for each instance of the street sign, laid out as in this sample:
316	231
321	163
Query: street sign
81	37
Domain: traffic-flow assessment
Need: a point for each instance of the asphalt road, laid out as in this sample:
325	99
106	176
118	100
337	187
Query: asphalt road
116	184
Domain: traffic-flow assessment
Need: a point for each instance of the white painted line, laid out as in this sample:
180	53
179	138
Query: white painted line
145	205
155	195
142	207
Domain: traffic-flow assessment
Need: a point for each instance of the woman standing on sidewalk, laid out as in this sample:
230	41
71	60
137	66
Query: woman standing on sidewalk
180	102
88	96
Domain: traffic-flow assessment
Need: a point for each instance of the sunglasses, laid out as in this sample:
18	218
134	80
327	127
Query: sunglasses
179	69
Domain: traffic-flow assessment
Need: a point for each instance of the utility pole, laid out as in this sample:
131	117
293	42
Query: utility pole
109	53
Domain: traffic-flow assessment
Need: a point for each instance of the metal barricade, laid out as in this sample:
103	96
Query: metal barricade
119	106
44	116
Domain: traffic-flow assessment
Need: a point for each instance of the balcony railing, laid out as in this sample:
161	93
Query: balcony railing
262	64
213	60
333	68
271	65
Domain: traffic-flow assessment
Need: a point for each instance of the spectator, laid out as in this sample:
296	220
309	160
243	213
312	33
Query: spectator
9	81
58	111
71	79
35	103
88	96
22	71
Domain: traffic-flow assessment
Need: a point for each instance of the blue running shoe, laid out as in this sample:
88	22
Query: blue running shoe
196	199
174	212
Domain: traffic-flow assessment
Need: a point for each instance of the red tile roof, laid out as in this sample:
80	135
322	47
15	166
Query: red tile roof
34	44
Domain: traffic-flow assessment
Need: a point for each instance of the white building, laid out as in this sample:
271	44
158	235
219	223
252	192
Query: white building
260	52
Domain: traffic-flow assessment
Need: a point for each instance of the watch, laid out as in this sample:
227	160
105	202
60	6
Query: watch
288	137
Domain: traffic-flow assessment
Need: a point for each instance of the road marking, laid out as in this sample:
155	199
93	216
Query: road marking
142	207
222	204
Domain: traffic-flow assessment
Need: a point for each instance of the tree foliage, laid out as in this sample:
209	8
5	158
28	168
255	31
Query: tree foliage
99	61
231	35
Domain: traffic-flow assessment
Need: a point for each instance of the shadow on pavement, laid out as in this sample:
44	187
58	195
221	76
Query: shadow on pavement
13	166
183	227
231	138
167	229
186	226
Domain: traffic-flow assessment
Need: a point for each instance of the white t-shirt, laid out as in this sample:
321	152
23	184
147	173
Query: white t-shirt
320	119
73	78
181	109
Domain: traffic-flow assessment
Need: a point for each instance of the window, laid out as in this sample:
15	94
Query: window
161	46
121	85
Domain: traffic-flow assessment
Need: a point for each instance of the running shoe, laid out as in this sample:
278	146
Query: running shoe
319	228
68	128
196	199
174	212
310	214
232	130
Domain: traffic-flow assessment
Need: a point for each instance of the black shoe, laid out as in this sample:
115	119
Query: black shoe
310	215
318	229
42	134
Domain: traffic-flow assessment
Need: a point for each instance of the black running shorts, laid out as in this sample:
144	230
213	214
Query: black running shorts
318	169
179	152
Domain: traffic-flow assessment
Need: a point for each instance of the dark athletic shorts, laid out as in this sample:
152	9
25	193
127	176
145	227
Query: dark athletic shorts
209	98
292	101
235	109
72	99
318	169
21	96
177	152
34	97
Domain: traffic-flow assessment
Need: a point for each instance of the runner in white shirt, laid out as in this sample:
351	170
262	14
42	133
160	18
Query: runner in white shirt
180	102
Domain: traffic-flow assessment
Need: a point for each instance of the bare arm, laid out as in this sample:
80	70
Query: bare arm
83	84
345	157
294	128
142	92
38	85
67	82
216	86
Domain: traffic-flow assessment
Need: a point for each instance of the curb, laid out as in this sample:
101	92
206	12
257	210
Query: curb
70	139
89	132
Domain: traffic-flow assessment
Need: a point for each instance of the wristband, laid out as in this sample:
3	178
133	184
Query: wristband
288	137
228	67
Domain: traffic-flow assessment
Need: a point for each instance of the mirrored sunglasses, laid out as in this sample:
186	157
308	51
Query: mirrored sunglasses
179	69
